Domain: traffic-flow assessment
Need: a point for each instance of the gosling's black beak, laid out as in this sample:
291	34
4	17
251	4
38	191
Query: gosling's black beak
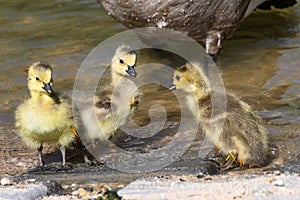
173	87
47	87
131	71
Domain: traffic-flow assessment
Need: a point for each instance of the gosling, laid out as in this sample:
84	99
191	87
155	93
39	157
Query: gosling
243	138
115	106
44	117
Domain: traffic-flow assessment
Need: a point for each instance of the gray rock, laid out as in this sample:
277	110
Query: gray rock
30	192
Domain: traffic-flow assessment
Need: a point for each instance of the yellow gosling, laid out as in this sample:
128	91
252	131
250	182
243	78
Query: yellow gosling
243	134
114	107
44	117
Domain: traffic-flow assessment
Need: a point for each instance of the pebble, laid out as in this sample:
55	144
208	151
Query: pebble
101	188
277	172
278	183
5	181
32	180
271	180
81	193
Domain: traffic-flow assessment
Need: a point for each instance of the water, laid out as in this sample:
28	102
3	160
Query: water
260	62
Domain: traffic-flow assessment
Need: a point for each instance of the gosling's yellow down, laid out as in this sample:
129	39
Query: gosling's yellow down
243	133
115	106
44	117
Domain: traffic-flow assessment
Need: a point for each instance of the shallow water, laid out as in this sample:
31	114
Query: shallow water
260	62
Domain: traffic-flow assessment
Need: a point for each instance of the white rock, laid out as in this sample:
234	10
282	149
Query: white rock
278	183
32	180
5	181
161	24
277	172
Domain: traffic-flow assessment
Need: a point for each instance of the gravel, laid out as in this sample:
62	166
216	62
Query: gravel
216	187
237	184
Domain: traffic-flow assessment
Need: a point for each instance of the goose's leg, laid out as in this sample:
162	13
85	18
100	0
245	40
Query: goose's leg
84	154
41	161
40	155
241	164
63	153
230	159
234	158
213	43
64	167
79	145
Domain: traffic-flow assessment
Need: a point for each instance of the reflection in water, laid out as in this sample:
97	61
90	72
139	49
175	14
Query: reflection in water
260	62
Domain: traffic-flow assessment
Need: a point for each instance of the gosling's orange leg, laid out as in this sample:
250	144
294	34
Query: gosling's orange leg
230	159
230	155
241	164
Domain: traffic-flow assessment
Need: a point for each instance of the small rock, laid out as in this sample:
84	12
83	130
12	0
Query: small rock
80	193
200	175
5	181
65	186
73	185
278	183
208	178
22	186
53	187
120	186
271	180
31	180
277	172
101	188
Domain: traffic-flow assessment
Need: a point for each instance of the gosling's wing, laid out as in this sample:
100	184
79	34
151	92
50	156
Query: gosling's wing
135	100
103	106
247	123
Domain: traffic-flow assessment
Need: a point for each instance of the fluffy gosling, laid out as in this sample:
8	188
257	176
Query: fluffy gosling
44	117
243	136
114	107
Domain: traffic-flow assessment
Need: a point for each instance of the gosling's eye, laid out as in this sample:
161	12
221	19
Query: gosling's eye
177	77
121	61
37	78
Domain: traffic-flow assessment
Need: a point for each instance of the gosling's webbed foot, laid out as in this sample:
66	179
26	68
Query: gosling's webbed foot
231	162
65	167
38	169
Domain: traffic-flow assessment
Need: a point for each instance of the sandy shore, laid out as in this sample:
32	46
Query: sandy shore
237	184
